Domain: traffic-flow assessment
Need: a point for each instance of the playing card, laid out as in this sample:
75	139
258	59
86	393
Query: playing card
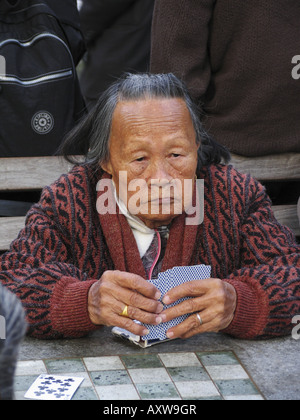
53	387
196	272
167	281
164	281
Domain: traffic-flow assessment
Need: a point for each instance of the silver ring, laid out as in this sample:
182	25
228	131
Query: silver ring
200	319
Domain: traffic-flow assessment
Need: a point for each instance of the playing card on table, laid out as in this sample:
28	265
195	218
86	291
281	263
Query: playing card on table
167	281
53	387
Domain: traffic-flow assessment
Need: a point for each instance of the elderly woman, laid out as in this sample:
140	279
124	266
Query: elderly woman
76	269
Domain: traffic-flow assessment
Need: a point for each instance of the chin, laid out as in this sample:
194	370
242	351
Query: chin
156	221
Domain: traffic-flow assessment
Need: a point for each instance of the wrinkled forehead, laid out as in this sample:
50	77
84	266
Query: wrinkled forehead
152	116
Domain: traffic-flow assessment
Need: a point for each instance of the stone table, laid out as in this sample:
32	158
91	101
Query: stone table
273	365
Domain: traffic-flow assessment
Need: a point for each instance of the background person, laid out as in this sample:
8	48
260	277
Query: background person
14	328
239	61
236	59
118	37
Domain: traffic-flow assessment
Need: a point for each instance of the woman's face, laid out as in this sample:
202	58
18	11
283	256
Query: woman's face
152	151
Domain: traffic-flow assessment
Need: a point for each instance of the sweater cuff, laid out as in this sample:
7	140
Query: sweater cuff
251	315
69	308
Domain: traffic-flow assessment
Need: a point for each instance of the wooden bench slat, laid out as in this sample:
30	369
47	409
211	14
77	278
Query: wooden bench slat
37	172
21	174
9	230
270	168
287	216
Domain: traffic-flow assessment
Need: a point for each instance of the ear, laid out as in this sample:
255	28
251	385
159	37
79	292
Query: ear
107	167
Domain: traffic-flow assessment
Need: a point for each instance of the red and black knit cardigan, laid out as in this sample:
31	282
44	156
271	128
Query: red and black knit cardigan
66	246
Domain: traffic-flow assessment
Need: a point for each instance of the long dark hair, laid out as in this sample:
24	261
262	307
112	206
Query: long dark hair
91	136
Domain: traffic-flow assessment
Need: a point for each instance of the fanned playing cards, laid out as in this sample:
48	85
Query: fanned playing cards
165	282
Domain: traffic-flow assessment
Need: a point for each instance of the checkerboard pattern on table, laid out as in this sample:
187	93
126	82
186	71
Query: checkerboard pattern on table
169	376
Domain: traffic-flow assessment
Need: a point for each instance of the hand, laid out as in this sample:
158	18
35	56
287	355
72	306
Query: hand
109	296
213	299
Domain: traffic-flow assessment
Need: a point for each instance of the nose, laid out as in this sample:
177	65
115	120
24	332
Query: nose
159	173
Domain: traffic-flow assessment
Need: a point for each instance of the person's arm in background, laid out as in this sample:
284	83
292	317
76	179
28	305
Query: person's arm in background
180	36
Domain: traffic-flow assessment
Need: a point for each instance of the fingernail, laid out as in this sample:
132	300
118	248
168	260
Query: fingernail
170	334
166	300
157	295
160	308
161	319
146	332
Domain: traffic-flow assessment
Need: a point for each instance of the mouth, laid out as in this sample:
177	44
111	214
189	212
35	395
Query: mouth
165	200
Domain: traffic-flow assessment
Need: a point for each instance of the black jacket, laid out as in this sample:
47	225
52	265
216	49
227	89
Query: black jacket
40	98
118	37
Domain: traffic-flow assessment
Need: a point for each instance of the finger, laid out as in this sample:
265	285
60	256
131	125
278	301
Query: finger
135	300
190	289
145	317
128	325
189	306
110	315
135	282
192	326
118	286
135	314
207	328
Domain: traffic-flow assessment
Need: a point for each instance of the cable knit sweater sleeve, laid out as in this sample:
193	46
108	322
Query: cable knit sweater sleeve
39	269
268	285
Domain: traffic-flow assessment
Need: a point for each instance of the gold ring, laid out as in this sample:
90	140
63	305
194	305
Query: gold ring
125	312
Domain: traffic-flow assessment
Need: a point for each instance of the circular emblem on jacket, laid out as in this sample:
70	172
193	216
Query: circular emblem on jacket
42	122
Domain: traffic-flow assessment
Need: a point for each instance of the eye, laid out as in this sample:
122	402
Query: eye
176	155
141	159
